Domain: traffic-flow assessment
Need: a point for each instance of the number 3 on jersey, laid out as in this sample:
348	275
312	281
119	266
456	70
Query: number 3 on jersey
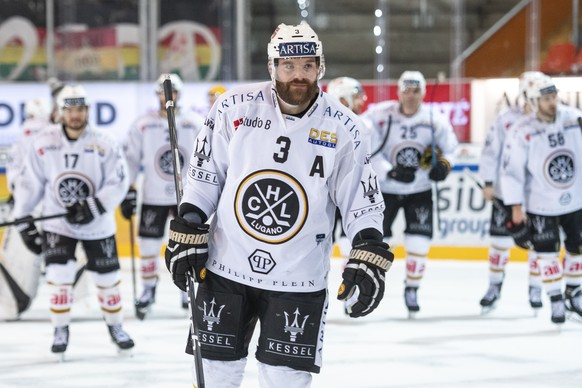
281	156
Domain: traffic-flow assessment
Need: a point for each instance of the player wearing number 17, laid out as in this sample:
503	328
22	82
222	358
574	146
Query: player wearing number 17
272	163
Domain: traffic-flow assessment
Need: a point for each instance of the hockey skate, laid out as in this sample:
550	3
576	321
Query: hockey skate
558	309
121	339
535	299
573	302
489	301
411	301
144	304
60	342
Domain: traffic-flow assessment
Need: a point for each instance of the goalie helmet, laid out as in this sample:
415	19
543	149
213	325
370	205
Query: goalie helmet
72	95
177	83
346	88
540	87
412	79
37	108
298	41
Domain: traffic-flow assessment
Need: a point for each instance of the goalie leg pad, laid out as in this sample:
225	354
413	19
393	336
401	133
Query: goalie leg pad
292	328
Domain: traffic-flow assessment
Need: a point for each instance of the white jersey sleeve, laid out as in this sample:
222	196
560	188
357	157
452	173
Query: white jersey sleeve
273	182
490	160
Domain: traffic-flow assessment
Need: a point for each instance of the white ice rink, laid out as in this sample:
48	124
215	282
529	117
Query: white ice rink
448	345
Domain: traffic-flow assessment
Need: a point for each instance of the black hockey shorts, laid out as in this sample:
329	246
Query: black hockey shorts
101	254
291	324
500	215
153	220
417	212
545	232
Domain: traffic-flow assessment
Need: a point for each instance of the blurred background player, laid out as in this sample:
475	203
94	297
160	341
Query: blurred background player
213	93
404	131
350	93
542	173
147	146
75	169
489	169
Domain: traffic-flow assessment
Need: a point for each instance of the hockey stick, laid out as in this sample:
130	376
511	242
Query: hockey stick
580	122
31	219
385	136
433	156
178	184
496	201
132	252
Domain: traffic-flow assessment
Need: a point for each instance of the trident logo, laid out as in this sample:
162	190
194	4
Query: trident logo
372	188
201	152
294	328
210	316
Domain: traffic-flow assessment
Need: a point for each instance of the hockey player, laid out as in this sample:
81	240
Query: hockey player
272	162
405	131
37	118
541	172
500	236
349	91
351	94
147	145
76	169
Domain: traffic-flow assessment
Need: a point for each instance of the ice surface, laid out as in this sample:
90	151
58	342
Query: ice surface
449	344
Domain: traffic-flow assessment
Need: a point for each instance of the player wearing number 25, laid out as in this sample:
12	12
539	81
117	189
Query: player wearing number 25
282	155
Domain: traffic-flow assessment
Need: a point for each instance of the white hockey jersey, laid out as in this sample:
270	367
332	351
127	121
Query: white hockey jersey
274	181
542	166
401	140
148	145
30	127
490	161
59	171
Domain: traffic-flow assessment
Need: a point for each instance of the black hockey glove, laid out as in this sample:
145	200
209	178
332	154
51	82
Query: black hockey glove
402	173
440	171
129	204
363	278
30	235
187	249
520	234
84	211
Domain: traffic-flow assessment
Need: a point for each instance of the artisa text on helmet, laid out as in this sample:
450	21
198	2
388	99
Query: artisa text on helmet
299	49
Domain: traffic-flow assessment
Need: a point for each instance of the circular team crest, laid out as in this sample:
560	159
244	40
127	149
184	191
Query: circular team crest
165	166
559	169
72	187
407	155
271	206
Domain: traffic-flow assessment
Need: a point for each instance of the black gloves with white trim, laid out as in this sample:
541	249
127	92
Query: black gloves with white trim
129	204
187	249
363	278
84	211
30	235
440	170
402	174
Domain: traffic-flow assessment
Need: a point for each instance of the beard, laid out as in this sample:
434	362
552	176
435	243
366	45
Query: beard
76	125
294	96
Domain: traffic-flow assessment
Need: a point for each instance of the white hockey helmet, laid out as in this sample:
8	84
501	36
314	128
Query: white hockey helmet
526	81
412	79
297	41
177	83
346	88
540	87
37	108
72	95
